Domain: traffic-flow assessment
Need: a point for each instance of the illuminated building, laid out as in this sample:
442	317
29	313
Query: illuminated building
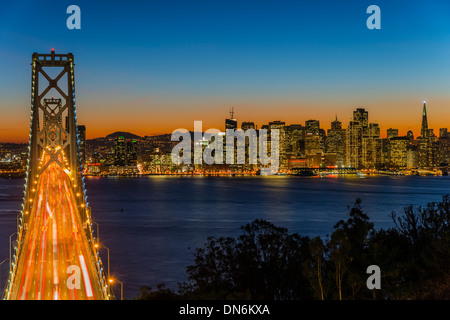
312	149
280	126
314	143
362	116
443	148
354	145
410	135
371	146
312	127
131	152
336	142
93	168
199	145
329	160
157	162
247	125
412	157
120	151
295	137
358	134
398	152
424	152
297	163
125	152
424	130
231	123
443	151
363	142
384	151
425	148
391	133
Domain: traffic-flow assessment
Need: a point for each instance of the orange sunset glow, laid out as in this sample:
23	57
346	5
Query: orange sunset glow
146	117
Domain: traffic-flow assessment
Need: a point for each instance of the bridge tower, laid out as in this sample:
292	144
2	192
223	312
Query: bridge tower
54	136
47	121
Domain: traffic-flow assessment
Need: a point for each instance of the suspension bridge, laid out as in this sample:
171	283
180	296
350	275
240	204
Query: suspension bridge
56	255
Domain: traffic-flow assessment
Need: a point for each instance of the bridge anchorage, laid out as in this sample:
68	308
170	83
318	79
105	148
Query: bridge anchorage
55	255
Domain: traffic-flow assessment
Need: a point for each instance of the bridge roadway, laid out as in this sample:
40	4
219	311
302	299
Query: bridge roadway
55	241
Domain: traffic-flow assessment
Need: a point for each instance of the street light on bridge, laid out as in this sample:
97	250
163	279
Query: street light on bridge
121	286
10	266
102	245
3	289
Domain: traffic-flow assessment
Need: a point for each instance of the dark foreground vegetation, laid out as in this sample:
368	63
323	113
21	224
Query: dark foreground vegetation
268	262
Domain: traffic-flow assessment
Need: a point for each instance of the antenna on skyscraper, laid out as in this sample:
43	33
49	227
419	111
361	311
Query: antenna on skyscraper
232	113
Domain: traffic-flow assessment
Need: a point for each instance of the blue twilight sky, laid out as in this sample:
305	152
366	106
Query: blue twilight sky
153	66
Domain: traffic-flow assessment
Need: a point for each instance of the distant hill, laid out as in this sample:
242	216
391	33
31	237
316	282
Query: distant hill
126	135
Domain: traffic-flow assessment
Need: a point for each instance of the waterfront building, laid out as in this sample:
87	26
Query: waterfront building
398	152
294	137
354	136
412	157
371	147
125	152
281	127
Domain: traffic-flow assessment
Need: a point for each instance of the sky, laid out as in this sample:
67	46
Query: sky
150	67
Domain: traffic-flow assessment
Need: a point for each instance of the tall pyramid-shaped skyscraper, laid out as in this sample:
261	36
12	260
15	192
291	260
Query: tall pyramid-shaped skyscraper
424	132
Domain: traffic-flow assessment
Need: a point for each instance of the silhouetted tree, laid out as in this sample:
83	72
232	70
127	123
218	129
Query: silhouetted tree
348	253
162	293
427	230
262	263
314	267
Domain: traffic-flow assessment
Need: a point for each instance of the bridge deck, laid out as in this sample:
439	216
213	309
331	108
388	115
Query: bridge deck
55	241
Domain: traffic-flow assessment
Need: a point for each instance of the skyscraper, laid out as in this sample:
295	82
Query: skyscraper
281	127
424	141
295	135
336	142
131	152
125	151
120	151
336	124
312	127
424	131
391	133
398	152
313	143
354	136
371	146
231	123
247	125
362	116
356	131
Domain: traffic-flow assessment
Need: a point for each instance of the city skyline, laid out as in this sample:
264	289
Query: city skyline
159	68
